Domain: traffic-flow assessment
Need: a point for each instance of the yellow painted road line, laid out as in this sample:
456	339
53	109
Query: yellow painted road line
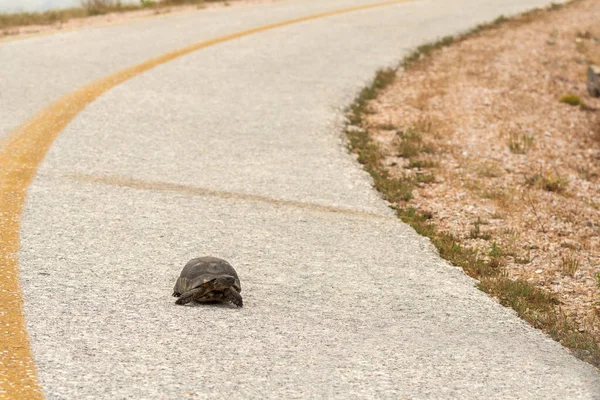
22	152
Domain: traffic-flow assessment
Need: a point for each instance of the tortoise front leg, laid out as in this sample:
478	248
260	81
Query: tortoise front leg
193	294
233	296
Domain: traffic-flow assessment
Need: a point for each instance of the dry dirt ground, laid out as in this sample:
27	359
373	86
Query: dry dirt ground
122	17
501	162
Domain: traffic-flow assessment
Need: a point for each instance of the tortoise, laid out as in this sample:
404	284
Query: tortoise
208	279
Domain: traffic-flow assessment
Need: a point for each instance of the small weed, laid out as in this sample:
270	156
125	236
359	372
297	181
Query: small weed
476	232
489	170
548	182
500	20
533	209
512	232
572	100
522	260
407	149
495	250
410	144
520	144
570	265
555	184
427	148
584	35
585	173
387	127
494	194
424	125
555	6
496	264
598	279
581	48
425	178
498	215
472	184
420	164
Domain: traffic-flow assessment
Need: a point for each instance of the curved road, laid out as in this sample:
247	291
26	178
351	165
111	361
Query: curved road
233	148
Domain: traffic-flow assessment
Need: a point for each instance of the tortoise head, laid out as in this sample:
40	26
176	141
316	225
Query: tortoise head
223	282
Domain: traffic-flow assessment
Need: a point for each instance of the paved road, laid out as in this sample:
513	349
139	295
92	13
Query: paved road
235	151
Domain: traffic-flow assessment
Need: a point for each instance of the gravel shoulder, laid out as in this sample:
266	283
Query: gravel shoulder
500	161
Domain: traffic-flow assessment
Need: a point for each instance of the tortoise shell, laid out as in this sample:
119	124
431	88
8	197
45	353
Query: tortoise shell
207	279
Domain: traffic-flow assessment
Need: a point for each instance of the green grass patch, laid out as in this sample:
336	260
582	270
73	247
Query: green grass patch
426	49
533	304
495	251
382	79
572	100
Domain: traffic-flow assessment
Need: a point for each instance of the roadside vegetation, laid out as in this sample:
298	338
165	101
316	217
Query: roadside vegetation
89	8
403	160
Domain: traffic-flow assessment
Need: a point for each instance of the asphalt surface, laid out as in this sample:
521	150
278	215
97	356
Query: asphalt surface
236	151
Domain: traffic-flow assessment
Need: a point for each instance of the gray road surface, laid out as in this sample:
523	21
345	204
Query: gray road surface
235	151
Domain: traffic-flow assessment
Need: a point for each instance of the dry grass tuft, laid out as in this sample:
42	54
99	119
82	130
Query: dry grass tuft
520	143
